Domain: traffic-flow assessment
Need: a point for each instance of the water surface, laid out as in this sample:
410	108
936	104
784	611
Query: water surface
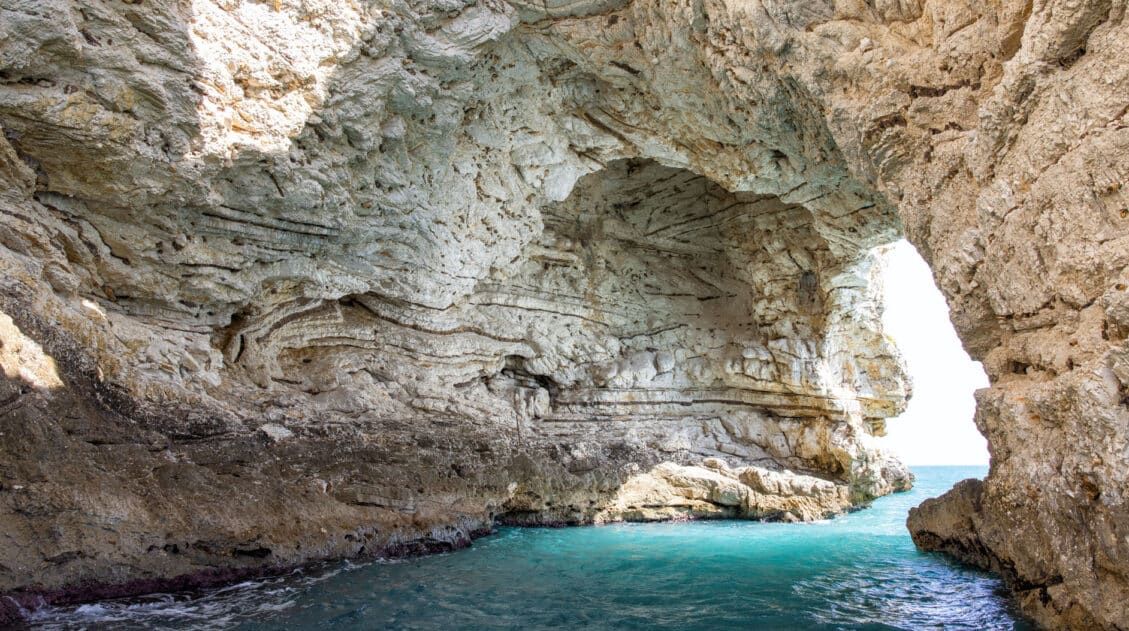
860	571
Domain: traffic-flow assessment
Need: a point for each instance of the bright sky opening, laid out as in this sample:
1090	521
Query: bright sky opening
937	428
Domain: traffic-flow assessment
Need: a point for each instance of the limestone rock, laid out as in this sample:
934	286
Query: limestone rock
494	259
275	432
670	491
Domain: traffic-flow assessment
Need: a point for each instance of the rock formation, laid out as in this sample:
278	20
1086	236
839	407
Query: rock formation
670	491
298	279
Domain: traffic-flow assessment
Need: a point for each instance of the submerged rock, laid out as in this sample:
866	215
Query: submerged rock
538	262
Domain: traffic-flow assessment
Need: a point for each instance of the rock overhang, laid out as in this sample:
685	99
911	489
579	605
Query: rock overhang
215	233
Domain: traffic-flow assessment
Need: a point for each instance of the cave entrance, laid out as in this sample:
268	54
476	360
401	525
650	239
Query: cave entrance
937	427
695	301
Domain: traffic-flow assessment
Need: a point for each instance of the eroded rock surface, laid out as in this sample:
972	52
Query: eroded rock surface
670	491
296	280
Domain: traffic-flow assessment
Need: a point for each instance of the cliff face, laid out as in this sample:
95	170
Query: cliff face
296	280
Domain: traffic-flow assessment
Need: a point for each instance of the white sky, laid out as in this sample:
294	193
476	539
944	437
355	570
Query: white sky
937	428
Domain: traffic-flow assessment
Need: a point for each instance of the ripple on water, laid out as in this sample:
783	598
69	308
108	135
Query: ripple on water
859	571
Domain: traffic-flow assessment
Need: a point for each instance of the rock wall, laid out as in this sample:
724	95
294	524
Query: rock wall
295	280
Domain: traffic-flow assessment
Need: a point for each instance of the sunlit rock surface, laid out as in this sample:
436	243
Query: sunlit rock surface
317	279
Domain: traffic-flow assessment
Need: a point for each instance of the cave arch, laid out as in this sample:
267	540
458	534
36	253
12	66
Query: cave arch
444	125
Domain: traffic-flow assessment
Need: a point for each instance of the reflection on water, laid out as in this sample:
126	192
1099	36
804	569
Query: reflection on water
859	571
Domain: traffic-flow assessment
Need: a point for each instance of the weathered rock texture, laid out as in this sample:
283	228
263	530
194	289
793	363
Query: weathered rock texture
671	491
300	279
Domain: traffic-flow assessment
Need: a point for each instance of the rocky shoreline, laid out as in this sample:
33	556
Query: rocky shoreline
15	606
698	496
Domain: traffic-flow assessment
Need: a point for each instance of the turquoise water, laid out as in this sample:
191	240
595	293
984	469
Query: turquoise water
860	571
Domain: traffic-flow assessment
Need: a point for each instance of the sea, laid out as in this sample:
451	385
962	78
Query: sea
857	571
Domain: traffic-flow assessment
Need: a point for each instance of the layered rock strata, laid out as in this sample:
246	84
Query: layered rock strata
296	280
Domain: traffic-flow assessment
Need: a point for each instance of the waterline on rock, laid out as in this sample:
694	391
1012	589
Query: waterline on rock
859	571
